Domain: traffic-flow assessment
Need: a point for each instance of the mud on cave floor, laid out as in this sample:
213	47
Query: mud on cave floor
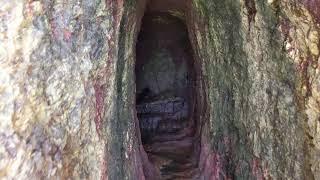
164	73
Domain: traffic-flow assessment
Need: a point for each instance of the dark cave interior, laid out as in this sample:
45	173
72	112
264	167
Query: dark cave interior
165	95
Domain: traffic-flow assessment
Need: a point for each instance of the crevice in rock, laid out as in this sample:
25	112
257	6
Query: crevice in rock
165	94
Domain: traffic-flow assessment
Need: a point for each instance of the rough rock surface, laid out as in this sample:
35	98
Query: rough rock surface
67	88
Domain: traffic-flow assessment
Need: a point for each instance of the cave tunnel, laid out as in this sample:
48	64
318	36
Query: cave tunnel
165	95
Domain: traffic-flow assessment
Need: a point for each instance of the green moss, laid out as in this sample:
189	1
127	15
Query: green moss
230	90
130	4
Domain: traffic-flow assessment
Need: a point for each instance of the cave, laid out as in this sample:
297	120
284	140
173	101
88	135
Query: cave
165	95
160	89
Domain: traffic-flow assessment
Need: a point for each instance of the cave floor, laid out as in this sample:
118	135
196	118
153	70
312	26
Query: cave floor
169	138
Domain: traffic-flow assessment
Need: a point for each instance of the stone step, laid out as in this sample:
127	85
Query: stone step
175	167
158	124
178	151
168	106
170	125
178	115
179	135
187	174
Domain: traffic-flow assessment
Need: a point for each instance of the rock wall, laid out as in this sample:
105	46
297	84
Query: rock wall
67	96
57	90
260	64
255	129
258	109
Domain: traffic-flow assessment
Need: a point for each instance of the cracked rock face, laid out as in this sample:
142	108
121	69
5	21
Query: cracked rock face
68	97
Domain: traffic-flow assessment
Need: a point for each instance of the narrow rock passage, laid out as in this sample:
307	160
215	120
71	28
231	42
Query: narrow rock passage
164	96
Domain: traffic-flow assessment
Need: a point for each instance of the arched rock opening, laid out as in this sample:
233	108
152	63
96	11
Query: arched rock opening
67	91
166	93
229	99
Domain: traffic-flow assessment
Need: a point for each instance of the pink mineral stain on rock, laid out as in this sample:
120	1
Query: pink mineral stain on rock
104	166
216	165
67	34
54	30
258	171
314	8
285	28
29	9
211	163
149	170
99	106
252	11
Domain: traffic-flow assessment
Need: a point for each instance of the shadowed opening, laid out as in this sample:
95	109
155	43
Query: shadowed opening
165	95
